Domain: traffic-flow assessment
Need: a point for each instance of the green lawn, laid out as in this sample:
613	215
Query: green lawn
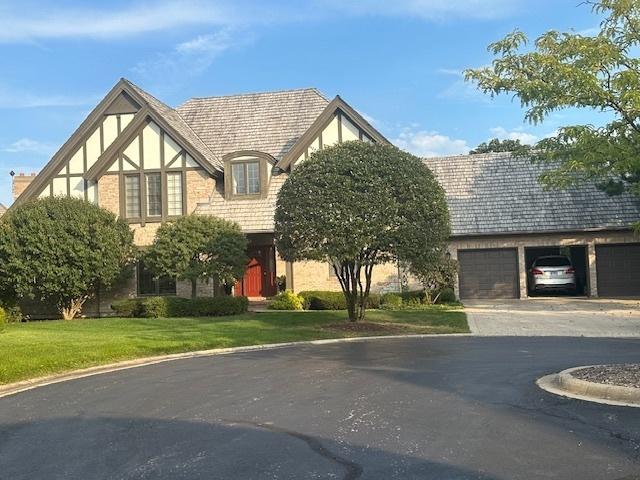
40	348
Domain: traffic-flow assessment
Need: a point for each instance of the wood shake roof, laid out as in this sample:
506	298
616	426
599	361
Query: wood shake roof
270	122
493	194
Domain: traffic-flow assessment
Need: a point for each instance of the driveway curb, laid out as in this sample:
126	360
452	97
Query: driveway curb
567	385
24	385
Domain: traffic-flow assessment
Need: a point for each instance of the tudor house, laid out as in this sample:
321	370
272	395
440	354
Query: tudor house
224	156
228	157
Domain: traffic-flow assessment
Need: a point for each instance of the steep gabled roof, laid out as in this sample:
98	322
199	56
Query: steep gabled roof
270	122
493	194
178	124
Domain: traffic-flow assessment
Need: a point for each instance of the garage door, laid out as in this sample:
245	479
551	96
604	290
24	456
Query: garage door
491	273
618	269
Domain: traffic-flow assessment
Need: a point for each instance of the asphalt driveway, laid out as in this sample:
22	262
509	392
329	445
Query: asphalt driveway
555	316
431	408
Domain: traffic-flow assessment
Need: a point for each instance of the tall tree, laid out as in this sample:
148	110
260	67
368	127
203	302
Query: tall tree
61	250
357	205
199	247
497	145
564	70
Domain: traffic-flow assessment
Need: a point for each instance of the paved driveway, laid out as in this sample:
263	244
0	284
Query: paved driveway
432	408
556	316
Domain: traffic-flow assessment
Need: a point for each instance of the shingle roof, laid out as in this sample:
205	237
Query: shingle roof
172	117
251	215
497	194
269	122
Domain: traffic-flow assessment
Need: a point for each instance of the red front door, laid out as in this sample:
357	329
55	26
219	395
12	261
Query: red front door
259	277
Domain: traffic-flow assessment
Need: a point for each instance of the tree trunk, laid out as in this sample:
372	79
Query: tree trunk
70	309
194	288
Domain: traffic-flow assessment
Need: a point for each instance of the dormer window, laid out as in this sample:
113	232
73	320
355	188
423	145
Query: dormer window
247	174
246	178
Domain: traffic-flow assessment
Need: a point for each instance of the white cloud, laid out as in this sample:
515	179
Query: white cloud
450	71
101	23
430	143
19	98
191	57
29	22
517	134
428	9
28	145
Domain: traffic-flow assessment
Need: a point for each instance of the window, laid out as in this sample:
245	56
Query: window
154	194
174	194
246	178
147	285
132	196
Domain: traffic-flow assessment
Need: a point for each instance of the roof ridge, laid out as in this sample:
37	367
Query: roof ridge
266	92
472	155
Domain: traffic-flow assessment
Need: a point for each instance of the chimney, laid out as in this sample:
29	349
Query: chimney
20	182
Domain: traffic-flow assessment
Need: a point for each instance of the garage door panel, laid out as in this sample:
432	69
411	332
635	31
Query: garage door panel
490	273
618	270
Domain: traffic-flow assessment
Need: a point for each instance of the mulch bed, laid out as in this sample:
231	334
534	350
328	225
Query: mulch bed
363	327
623	375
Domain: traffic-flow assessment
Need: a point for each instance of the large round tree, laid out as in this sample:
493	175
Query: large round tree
61	250
199	247
357	205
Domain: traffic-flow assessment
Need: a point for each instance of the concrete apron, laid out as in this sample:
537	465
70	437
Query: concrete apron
567	385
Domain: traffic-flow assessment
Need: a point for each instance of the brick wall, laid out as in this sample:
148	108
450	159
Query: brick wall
109	193
20	182
200	187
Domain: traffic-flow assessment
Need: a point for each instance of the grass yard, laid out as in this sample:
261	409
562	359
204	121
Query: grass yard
40	348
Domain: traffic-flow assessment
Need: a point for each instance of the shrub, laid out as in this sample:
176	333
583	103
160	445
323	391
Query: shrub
127	308
414	297
164	307
3	319
323	300
13	313
447	295
286	300
391	301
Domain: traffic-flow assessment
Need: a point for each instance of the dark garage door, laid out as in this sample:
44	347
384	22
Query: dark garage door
618	270
491	273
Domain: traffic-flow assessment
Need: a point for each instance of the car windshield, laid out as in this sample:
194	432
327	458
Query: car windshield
553	262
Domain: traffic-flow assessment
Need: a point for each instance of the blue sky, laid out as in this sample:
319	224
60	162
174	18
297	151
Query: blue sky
398	62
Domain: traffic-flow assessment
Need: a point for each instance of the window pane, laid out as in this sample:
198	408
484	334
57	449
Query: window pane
174	193
132	196
154	195
253	177
239	179
146	284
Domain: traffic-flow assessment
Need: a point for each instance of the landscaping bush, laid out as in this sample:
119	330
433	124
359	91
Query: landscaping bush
447	296
322	300
127	308
164	307
391	301
3	319
286	300
12	313
414	297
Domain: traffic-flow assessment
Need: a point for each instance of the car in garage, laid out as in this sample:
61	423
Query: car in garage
552	272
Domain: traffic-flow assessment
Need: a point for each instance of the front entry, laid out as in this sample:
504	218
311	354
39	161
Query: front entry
260	277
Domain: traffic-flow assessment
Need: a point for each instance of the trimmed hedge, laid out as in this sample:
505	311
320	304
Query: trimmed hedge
322	300
390	301
12	313
165	307
286	300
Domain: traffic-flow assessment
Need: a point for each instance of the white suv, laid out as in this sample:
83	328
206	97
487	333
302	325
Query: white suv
553	272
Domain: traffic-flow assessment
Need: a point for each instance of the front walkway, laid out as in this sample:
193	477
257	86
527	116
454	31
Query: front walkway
574	317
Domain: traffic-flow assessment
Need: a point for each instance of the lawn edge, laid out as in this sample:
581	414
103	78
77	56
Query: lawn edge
30	384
